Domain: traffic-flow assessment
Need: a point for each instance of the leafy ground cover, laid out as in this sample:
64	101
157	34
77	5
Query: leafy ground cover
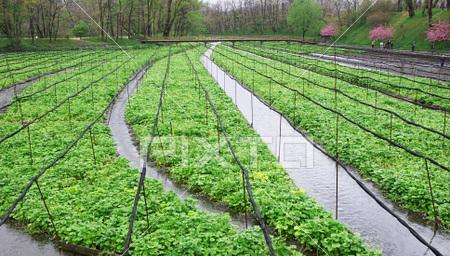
422	90
402	176
207	167
18	63
90	197
59	44
53	82
16	71
430	139
298	47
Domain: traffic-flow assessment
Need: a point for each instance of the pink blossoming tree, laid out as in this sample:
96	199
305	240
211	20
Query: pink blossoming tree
381	32
438	32
328	31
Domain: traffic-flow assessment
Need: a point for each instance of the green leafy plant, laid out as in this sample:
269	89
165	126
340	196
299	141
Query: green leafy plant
399	174
90	197
81	29
187	120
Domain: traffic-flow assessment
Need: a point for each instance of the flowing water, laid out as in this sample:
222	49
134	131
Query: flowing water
15	241
315	172
7	94
309	168
126	148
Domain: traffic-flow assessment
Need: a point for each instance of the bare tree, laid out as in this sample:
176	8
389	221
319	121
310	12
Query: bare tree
430	12
410	6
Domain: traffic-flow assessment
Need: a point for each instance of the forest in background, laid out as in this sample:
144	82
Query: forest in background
118	18
272	16
138	19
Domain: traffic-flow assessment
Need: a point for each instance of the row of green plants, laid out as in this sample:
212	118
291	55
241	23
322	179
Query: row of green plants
18	57
300	48
90	192
32	62
53	83
400	175
413	80
196	156
54	63
31	107
343	52
289	49
432	144
414	88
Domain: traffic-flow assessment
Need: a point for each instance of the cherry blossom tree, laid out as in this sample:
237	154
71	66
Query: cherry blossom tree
381	32
328	31
438	32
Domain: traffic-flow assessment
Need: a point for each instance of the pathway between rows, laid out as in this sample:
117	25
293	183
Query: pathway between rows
15	241
126	147
313	171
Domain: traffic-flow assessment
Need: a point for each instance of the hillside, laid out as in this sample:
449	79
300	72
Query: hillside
407	30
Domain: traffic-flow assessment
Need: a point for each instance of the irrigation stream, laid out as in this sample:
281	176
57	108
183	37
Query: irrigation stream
15	241
313	171
7	94
127	148
309	168
371	62
396	64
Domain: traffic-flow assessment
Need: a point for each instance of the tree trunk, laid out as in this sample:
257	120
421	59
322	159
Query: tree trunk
410	6
142	17
102	23
57	27
44	26
430	12
148	30
168	24
12	21
31	29
110	18
118	21
129	19
147	19
117	25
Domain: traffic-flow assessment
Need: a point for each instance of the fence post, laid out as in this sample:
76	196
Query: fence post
295	108
46	207
279	140
445	126
270	92
92	136
337	167
436	220
218	136
253	89
145	203
70	115
235	92
206	110
376	101
22	120
390	129
245	200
